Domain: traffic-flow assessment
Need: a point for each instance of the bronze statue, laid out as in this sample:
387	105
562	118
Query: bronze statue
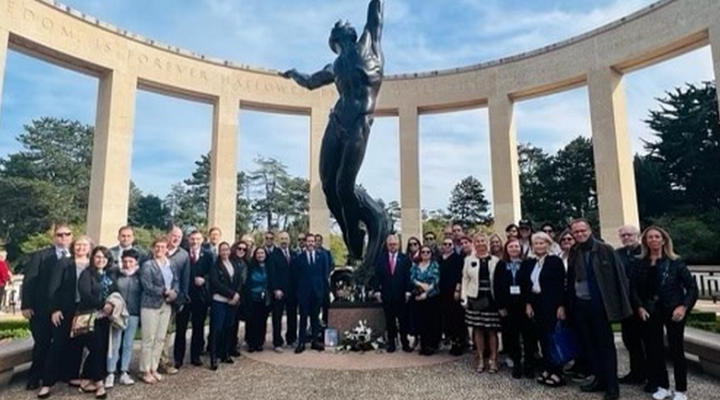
357	73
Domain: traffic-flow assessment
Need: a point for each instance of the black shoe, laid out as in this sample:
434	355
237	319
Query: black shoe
235	353
317	346
612	395
517	371
251	349
529	373
299	349
228	360
32	385
649	388
197	363
456	351
213	364
390	348
631	379
406	348
594	386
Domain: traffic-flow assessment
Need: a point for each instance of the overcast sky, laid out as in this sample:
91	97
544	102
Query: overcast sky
170	134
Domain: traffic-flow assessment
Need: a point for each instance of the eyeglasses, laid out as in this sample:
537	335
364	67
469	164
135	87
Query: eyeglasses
269	238
548	230
626	234
241	249
414	244
63	234
447	244
567	239
425	252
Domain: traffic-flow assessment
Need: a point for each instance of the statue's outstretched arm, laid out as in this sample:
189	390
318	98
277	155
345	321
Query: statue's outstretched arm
374	24
318	79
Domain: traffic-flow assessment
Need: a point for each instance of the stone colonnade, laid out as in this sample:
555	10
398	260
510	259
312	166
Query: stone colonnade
124	63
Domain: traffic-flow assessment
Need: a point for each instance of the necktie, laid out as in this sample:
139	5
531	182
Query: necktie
287	255
392	264
194	256
63	253
312	258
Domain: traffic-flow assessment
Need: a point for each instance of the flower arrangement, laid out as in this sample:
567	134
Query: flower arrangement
360	339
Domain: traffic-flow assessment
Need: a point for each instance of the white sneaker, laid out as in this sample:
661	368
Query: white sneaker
110	381
509	362
279	349
680	396
662	394
126	380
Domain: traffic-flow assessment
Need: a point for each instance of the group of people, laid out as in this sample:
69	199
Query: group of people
79	296
528	285
523	285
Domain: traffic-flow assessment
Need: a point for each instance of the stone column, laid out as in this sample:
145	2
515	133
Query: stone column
617	200
715	48
410	213
4	35
222	211
504	162
319	212
111	157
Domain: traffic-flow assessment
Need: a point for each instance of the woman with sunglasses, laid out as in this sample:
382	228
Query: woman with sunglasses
567	241
425	278
663	293
453	315
240	256
226	282
413	249
257	296
413	252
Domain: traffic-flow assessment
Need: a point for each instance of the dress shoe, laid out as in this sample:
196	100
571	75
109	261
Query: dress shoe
235	353
299	349
390	348
213	364
612	395
631	379
32	385
649	388
517	371
317	346
228	360
197	363
592	387
406	348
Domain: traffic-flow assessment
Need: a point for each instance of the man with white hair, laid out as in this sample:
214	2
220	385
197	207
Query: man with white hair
629	236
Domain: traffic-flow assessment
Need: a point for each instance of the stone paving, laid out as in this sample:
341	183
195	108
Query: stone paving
314	376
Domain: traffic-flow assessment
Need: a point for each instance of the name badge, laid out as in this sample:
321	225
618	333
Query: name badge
515	289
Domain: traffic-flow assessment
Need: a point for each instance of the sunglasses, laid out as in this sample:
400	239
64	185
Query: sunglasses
63	234
241	249
548	230
447	244
566	239
414	244
425	252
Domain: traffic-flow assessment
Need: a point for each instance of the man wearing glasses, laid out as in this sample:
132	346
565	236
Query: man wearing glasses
430	241
632	327
40	275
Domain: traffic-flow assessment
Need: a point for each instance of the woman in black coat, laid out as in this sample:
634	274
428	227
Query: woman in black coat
226	283
543	291
663	293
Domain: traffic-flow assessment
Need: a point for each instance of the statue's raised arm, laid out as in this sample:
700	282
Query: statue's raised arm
374	25
318	79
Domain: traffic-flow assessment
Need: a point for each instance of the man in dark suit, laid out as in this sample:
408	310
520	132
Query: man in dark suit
201	260
278	279
37	283
392	285
312	268
285	264
326	253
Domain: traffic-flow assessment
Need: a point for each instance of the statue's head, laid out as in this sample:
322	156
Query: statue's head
342	34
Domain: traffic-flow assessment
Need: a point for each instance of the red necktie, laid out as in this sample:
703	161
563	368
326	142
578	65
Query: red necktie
193	257
392	264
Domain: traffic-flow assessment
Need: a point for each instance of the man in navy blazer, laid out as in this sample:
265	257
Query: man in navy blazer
312	268
392	284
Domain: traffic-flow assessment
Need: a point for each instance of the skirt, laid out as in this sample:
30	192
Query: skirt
482	316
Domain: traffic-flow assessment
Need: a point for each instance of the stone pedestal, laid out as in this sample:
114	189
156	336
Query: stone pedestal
345	317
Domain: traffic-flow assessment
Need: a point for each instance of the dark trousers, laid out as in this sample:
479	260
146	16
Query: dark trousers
240	315
291	311
396	321
597	343
412	323
428	322
675	333
222	319
453	320
195	311
256	324
632	336
310	308
325	308
545	322
41	329
518	333
278	308
64	357
95	366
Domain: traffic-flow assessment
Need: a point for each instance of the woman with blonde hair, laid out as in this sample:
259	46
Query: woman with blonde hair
496	245
477	296
663	293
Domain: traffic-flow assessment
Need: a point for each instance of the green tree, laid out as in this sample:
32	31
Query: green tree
468	205
149	213
266	182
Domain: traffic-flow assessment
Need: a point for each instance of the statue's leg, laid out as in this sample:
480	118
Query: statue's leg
330	156
353	153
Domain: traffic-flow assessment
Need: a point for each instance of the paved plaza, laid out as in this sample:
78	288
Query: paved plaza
370	376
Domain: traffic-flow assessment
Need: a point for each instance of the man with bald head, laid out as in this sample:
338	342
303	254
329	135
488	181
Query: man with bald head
392	287
629	236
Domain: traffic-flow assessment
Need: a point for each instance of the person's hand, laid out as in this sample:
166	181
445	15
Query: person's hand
170	295
289	74
422	296
464	303
107	309
199	281
378	297
27	313
561	313
679	313
407	296
56	318
529	311
278	295
643	314
456	295
235	299
425	287
503	312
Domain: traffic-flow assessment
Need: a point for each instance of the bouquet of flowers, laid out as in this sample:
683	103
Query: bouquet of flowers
360	339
